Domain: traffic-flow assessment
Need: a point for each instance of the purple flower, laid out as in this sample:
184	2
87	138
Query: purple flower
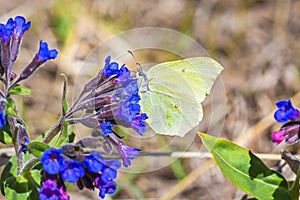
138	123
42	56
127	153
110	171
106	128
110	68
290	132
94	162
44	53
21	26
108	187
18	32
7	30
2	119
24	145
285	111
73	171
53	161
49	191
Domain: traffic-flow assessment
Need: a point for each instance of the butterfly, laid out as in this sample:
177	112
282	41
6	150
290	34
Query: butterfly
171	93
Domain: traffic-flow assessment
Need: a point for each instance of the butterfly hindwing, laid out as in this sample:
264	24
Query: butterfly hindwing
174	93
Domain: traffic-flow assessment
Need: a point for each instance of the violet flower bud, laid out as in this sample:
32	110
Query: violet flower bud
42	56
18	32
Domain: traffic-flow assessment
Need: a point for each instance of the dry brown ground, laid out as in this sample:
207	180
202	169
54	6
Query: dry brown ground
257	42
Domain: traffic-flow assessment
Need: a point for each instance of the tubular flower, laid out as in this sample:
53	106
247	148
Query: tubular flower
73	171
53	161
49	190
6	30
285	111
44	53
127	153
290	132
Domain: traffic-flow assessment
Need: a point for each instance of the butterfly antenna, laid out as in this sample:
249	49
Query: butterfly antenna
140	69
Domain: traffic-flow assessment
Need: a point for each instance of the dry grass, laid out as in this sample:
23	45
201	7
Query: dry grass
256	41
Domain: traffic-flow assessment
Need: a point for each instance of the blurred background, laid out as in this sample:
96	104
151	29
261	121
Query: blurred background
257	43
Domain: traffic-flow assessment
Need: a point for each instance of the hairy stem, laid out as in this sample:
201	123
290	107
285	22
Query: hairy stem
20	155
50	135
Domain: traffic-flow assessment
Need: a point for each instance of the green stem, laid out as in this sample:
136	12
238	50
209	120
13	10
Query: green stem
16	142
53	131
50	135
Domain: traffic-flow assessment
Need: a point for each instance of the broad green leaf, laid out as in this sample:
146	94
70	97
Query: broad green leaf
20	90
65	105
23	187
245	170
11	107
10	170
37	148
5	135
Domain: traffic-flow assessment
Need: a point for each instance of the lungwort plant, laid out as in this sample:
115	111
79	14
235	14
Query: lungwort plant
41	167
248	172
167	97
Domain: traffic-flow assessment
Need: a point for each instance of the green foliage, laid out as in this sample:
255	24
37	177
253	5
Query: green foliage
23	187
66	134
11	107
20	90
37	148
245	170
5	135
10	170
65	105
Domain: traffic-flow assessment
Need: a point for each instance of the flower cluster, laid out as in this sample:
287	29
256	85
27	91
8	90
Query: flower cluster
11	35
125	98
90	171
112	98
290	131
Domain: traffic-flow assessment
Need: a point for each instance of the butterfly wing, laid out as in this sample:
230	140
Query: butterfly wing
174	93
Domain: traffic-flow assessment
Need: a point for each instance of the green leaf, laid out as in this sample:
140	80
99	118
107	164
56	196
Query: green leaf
10	170
245	170
65	105
5	135
63	135
20	90
11	107
37	148
23	187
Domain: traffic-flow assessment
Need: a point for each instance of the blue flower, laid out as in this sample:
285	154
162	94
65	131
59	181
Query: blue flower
138	123
106	128
127	153
24	145
73	171
110	171
6	30
94	162
49	191
21	26
53	161
44	53
110	68
108	187
285	111
2	119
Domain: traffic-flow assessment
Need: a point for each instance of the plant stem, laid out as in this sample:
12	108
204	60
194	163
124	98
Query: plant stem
20	155
53	131
50	135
